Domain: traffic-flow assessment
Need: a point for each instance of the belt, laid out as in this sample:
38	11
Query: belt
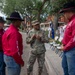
63	45
1	50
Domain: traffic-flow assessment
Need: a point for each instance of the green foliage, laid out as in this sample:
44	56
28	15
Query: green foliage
25	7
9	6
58	42
1	4
56	5
46	32
32	7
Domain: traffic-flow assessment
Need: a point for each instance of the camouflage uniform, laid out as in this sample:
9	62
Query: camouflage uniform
38	50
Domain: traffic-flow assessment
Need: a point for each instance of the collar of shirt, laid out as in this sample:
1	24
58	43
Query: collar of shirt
73	16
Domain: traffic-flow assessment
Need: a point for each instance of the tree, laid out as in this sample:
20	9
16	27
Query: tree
56	5
1	4
32	8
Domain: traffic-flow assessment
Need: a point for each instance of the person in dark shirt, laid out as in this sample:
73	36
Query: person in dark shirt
2	64
52	30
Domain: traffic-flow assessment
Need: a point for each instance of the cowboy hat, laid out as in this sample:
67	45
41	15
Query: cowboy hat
70	6
15	16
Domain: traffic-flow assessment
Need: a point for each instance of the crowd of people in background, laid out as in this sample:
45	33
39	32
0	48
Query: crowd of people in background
59	32
51	33
2	64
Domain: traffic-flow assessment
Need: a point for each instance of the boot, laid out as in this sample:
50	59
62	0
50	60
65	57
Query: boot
40	69
28	73
40	72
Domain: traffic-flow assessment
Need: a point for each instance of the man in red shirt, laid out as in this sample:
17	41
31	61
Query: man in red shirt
2	64
12	45
68	47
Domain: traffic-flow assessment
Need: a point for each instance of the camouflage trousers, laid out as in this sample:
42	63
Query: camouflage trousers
40	59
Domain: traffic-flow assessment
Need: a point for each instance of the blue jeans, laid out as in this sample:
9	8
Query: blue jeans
68	62
2	64
12	67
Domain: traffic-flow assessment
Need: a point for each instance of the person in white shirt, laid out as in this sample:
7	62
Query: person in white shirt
49	32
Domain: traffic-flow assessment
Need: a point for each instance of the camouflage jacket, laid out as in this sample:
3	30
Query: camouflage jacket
37	45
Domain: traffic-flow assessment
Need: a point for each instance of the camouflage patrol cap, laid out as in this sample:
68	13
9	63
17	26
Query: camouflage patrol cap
36	22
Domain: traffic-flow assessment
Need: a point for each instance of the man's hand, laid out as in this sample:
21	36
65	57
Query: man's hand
62	48
22	64
34	36
38	37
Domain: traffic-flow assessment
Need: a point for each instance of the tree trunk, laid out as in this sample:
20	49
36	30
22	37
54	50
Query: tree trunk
38	16
55	22
40	10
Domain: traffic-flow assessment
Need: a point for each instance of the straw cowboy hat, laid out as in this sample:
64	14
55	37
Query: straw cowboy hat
70	6
36	22
15	16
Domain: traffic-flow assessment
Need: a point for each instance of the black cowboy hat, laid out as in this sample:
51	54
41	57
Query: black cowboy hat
15	16
2	20
68	7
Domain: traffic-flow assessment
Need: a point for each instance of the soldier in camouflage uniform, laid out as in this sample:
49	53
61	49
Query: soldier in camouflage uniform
36	38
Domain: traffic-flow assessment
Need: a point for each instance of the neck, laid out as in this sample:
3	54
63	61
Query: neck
71	14
15	25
